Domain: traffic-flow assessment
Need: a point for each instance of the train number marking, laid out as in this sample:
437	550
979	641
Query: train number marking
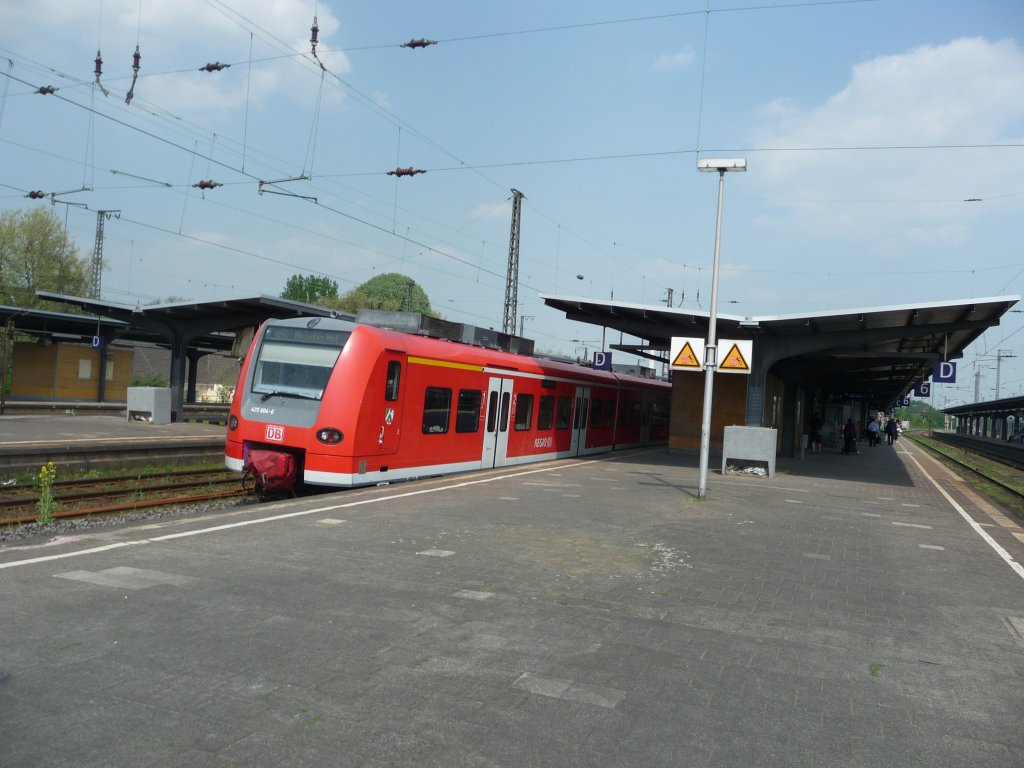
274	433
543	442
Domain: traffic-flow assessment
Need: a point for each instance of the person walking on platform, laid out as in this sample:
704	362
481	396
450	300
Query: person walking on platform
873	431
890	431
850	438
814	427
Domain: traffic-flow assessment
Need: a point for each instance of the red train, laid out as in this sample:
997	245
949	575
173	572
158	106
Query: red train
332	402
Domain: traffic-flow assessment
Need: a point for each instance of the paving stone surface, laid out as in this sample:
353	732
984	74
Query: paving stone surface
859	610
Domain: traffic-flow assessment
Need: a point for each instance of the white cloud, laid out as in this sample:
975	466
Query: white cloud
176	39
938	97
667	62
485	211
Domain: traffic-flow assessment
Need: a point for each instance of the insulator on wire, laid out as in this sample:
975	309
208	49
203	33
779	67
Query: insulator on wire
314	35
207	184
410	171
36	194
99	72
46	90
421	42
136	64
214	67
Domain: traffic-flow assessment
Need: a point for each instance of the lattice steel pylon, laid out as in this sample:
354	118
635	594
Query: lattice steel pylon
97	252
508	324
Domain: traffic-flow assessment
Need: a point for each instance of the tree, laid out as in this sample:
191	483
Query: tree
36	254
312	289
391	291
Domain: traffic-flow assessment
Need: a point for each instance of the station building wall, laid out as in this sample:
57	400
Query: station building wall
729	408
68	372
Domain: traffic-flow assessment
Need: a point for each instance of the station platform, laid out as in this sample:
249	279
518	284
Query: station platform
76	439
863	610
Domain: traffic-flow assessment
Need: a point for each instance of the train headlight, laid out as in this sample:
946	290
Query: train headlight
329	435
233	422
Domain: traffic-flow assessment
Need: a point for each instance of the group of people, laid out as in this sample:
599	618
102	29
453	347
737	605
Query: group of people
891	429
849	433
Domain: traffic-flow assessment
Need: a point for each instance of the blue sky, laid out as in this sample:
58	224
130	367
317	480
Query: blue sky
865	125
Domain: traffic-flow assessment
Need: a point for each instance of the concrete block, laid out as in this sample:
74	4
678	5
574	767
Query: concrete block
152	404
750	444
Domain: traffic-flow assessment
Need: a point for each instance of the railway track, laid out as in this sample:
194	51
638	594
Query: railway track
121	493
1010	454
998	464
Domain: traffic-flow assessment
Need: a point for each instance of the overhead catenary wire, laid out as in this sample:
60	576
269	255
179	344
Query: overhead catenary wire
461	167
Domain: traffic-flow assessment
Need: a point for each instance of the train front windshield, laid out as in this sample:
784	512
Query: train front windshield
296	362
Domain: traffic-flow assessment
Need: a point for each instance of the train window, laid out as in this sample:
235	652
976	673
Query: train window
659	413
394	377
629	414
564	413
609	414
467	417
546	412
437	407
595	413
503	421
492	411
290	367
524	412
577	412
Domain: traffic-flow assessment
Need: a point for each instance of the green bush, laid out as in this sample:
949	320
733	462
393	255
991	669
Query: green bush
149	380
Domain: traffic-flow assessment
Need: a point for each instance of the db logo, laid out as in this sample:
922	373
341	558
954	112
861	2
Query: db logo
275	433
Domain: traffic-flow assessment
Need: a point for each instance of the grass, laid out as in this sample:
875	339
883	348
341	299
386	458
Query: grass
94	473
995	493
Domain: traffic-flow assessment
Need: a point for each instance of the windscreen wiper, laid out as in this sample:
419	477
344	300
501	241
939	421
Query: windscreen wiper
278	393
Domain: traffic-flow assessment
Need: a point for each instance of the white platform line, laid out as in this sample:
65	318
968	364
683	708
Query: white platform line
1017	567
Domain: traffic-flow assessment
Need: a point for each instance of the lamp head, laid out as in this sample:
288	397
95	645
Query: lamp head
722	165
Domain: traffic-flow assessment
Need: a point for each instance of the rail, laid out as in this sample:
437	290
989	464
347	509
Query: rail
1002	465
124	492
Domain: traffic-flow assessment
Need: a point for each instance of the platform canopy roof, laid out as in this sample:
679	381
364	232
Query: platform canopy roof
877	352
208	323
189	329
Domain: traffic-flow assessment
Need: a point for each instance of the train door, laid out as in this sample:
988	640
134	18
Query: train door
645	418
389	422
580	413
499	406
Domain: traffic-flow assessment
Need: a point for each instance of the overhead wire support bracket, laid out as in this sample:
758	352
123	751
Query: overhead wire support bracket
215	66
54	195
283	192
141	178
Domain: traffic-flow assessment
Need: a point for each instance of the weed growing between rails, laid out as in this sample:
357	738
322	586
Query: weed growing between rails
46	504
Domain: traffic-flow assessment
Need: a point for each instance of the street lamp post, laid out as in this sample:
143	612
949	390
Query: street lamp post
721	167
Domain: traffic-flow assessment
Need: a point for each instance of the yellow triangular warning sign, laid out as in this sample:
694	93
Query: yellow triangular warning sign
734	361
686	358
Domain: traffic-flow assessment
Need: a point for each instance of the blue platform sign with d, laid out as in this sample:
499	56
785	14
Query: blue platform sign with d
944	373
602	361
